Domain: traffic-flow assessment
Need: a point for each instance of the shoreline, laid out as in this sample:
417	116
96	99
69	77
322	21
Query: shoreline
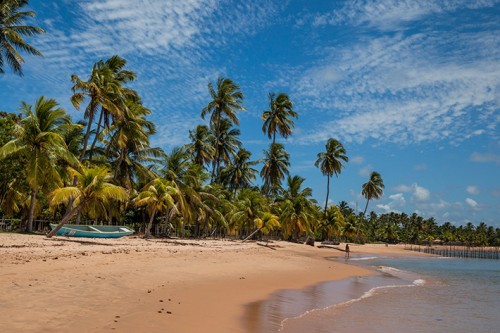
131	284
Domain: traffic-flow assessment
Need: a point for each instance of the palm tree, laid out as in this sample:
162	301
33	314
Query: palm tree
297	209
249	205
330	162
104	88
39	139
200	148
177	164
239	173
158	197
372	189
267	223
92	194
332	223
131	155
225	102
276	163
277	119
226	143
12	31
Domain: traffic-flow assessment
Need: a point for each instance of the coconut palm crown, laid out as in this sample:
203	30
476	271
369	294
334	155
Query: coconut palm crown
373	188
330	162
277	119
12	30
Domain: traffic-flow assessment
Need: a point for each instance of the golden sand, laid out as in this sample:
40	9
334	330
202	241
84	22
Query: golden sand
137	285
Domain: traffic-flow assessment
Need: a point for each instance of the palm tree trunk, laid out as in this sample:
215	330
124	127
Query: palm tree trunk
327	193
84	150
253	233
87	133
274	137
29	226
96	135
366	207
147	232
65	220
362	218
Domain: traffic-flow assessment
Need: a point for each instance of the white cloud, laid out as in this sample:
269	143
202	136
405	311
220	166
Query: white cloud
173	46
420	167
471	202
365	171
472	189
395	92
357	160
403	188
485	157
420	194
392	14
420	86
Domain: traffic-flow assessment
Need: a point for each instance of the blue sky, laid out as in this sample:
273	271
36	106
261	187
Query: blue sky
411	88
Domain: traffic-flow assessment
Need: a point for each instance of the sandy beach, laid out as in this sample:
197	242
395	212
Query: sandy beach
137	285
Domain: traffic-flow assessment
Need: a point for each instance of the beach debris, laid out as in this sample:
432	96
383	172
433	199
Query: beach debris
330	247
272	247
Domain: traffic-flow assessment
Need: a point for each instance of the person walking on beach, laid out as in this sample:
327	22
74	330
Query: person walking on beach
347	250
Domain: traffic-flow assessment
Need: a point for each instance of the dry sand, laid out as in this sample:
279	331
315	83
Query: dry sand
136	285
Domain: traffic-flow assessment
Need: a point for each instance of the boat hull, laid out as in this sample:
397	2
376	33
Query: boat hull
92	231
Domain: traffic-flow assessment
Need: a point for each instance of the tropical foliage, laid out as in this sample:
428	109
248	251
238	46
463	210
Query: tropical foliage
12	30
103	167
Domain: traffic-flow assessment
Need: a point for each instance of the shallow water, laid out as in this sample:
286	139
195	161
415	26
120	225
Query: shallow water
405	294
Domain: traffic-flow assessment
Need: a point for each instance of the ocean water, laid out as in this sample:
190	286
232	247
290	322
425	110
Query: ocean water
416	294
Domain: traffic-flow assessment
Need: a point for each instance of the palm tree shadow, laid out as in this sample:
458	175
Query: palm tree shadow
82	242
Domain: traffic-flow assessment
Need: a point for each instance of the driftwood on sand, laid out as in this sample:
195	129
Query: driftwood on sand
324	246
272	247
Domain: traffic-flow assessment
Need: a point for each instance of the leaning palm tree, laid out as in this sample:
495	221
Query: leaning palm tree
277	119
12	30
372	189
225	102
103	88
330	163
158	197
276	162
39	139
91	195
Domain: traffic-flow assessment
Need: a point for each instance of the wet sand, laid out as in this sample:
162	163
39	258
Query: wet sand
136	285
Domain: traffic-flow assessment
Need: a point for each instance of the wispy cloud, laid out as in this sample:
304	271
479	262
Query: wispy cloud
485	157
391	14
173	46
365	171
472	189
427	85
471	202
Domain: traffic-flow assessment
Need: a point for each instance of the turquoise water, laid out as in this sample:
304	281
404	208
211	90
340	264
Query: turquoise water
420	294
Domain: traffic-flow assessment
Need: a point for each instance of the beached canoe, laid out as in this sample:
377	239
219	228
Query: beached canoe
93	231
